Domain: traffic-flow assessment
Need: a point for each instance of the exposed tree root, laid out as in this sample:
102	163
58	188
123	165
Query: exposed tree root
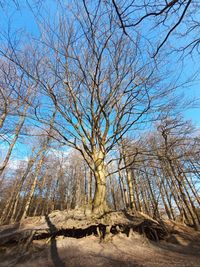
151	231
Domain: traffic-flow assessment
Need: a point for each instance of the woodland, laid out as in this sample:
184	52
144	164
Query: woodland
94	137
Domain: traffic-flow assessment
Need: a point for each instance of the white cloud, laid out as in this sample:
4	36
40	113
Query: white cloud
14	164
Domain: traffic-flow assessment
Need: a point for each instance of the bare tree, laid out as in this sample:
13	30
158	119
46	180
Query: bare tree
98	85
95	78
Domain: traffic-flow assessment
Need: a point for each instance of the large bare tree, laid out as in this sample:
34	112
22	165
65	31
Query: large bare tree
102	85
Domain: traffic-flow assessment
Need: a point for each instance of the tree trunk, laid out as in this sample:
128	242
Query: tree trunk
10	203
20	185
33	186
130	189
99	201
123	190
180	183
138	206
2	118
12	144
90	187
128	178
39	198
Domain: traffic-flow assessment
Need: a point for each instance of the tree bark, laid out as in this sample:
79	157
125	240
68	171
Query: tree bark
99	201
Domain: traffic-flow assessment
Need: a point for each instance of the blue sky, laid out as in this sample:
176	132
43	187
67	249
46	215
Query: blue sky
194	113
24	19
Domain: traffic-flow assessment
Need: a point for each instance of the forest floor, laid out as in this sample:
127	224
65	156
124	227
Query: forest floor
83	247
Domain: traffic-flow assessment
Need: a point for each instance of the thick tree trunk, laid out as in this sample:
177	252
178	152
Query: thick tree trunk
99	201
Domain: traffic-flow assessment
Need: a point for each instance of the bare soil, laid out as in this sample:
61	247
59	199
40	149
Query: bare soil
181	247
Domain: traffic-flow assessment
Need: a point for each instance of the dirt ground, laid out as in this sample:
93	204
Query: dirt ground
119	250
56	248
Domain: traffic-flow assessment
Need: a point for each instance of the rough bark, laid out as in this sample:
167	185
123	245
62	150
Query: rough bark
99	201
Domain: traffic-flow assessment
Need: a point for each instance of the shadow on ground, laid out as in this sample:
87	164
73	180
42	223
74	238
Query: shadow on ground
54	250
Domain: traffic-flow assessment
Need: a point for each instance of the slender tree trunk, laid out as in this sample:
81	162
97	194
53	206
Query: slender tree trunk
22	201
123	190
183	196
38	168
152	197
169	201
145	199
21	182
2	119
128	177
33	186
90	187
45	201
4	114
39	198
112	191
184	179
54	195
76	189
164	194
193	190
130	189
135	188
9	205
12	144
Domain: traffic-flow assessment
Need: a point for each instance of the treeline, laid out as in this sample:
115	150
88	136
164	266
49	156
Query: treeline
159	175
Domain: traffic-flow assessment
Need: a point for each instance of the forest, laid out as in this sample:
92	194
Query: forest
96	100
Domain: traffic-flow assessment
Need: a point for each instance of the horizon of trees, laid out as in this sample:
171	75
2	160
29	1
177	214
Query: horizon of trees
157	175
